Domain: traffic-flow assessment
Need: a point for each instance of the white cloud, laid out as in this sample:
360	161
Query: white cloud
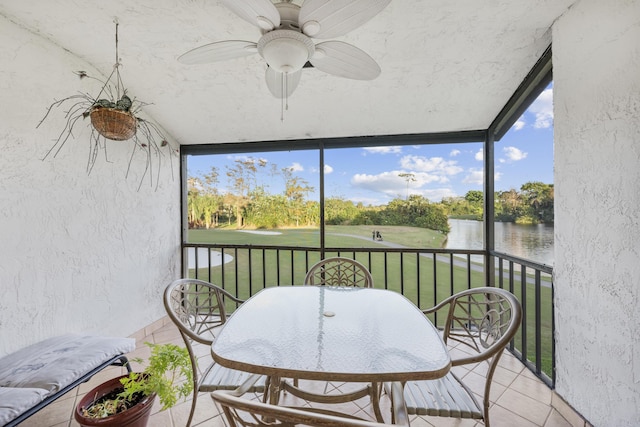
513	154
430	164
383	150
296	167
438	194
328	169
391	184
454	153
519	124
542	108
480	155
475	176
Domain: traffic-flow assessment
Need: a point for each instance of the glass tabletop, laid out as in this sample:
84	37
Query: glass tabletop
329	333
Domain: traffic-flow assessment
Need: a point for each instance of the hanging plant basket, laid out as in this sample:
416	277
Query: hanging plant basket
113	123
113	116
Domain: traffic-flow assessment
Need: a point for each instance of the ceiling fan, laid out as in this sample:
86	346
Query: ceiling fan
286	44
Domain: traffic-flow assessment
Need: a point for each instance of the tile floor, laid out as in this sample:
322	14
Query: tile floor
518	397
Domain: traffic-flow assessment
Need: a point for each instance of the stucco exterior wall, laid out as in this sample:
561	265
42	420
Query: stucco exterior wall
596	59
80	252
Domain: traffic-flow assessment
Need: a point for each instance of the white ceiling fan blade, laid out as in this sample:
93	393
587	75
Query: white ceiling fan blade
282	85
218	51
326	19
345	60
261	13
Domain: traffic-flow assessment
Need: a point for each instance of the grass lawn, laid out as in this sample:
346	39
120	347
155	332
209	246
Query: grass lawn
356	236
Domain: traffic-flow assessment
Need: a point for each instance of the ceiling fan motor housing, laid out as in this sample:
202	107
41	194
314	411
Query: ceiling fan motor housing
286	51
289	13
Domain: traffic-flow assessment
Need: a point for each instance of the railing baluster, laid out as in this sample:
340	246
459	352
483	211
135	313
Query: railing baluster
468	271
538	322
386	282
451	288
249	256
523	301
264	268
222	269
278	267
418	279
235	253
435	286
402	273
293	269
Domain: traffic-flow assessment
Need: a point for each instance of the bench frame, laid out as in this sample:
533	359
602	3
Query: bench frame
119	360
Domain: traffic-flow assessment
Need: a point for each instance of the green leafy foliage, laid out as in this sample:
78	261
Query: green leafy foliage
168	374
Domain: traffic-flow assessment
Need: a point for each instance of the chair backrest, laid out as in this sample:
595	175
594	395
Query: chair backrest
483	319
197	308
339	271
241	412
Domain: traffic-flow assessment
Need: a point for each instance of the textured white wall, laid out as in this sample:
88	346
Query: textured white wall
79	252
596	59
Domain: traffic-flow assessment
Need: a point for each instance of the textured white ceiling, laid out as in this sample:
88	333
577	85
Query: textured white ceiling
446	65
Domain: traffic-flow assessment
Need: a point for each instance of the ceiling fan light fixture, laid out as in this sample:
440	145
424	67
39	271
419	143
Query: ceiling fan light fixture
286	51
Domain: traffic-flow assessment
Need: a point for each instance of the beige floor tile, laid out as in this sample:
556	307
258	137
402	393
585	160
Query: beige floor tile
161	419
205	410
524	406
534	388
504	376
502	417
477	383
510	362
556	420
566	411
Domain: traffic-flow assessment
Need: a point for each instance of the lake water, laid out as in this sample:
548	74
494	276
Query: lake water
531	242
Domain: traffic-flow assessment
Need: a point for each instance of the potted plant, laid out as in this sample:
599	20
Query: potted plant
127	400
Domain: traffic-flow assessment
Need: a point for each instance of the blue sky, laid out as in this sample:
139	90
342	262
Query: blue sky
372	176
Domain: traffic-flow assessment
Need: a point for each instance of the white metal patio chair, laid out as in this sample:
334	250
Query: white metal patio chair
198	310
480	322
240	412
339	271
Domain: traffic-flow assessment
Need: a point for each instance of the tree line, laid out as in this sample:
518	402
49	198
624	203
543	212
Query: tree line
533	204
250	203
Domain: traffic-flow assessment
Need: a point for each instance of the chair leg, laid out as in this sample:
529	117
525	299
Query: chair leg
193	407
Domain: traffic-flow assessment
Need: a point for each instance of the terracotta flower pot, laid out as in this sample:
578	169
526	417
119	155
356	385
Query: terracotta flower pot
137	416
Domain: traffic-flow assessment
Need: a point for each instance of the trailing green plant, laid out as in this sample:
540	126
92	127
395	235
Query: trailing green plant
168	375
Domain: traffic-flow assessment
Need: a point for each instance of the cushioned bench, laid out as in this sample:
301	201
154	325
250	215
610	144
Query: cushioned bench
35	376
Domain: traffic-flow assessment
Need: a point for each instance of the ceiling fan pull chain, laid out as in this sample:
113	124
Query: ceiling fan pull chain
286	89
282	102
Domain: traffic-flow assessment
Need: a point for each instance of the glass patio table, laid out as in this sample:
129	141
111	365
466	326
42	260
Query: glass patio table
330	333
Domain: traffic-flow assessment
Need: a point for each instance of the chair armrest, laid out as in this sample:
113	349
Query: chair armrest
229	295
